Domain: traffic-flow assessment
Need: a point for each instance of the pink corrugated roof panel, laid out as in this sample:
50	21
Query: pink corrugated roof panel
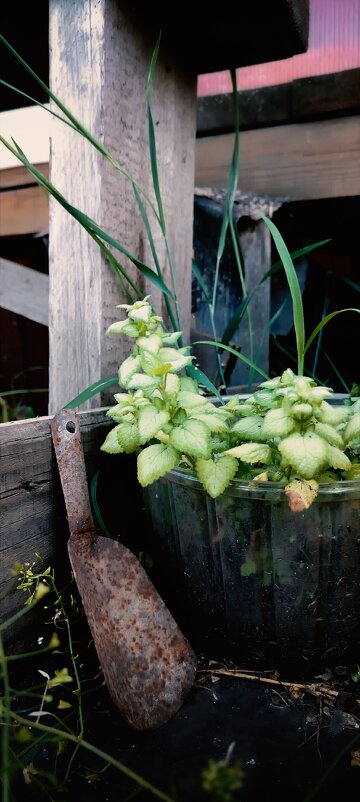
334	45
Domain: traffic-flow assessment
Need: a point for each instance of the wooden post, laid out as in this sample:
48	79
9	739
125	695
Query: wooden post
255	246
99	61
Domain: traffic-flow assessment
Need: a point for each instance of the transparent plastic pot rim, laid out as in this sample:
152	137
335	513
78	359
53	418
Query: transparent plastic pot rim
342	490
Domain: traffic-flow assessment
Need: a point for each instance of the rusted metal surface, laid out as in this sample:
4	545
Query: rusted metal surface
148	665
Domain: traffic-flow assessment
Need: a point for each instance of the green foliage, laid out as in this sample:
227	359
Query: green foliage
286	431
221	779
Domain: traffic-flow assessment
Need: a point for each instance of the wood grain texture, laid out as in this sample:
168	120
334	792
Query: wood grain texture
32	519
299	162
313	98
20	176
255	248
24	291
101	58
23	211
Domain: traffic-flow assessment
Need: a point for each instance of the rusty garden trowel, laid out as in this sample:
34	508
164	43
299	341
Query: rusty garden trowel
147	663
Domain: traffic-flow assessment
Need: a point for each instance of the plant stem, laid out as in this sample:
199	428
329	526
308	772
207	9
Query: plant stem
6	712
94	749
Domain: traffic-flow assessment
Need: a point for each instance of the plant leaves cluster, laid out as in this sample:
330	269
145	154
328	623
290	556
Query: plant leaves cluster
287	431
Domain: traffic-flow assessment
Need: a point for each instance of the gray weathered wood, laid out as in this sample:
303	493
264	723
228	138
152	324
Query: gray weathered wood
98	66
24	291
32	518
301	161
255	247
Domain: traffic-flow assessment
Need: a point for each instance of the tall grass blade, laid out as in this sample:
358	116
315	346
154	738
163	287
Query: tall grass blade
294	255
87	223
146	222
200	281
151	134
90	392
155	177
324	322
228	348
235	321
231	189
74	122
294	286
199	376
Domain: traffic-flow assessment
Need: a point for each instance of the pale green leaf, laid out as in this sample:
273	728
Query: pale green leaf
177	360
277	424
215	423
151	343
251	452
352	430
307	453
149	363
127	369
128	436
172	384
249	427
118	411
264	397
122	398
172	337
154	461
189	385
111	444
140	314
191	401
337	459
330	434
332	414
216	475
245	409
150	421
123	327
192	438
141	381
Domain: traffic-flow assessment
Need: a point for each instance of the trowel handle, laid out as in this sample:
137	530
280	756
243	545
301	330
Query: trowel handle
66	437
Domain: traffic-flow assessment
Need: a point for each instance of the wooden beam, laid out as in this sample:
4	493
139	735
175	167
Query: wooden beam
20	176
313	98
23	211
32	512
98	53
300	162
24	291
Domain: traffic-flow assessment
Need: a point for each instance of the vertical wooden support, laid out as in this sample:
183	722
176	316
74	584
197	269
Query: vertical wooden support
99	61
255	246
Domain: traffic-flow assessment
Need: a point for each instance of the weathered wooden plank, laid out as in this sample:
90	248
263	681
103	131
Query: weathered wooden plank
313	98
32	519
253	336
23	211
301	162
98	54
20	176
24	291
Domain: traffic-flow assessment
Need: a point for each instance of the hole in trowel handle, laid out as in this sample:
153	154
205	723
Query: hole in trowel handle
70	426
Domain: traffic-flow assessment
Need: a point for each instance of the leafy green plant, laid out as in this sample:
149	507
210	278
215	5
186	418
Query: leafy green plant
285	432
220	779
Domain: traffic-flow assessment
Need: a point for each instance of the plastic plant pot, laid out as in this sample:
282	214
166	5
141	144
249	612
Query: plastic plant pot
248	579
